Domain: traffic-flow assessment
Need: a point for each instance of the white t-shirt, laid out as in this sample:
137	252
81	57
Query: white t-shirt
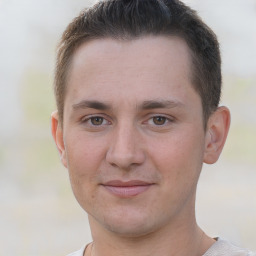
78	253
225	248
219	248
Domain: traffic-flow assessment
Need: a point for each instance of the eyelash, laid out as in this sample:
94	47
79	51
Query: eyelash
167	120
88	120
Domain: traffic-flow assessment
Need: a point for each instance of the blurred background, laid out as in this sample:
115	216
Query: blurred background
38	213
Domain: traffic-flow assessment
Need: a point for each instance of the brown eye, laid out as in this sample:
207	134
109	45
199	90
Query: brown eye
159	120
97	120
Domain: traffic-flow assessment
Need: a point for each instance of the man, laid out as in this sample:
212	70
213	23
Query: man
137	86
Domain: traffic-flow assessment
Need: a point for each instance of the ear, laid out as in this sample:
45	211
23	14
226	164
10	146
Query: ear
57	134
216	134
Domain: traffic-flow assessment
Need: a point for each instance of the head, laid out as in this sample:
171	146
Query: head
129	20
138	87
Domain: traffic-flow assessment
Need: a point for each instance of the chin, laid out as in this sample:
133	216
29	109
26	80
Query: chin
130	231
129	225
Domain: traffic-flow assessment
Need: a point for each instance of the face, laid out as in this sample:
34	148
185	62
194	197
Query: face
132	136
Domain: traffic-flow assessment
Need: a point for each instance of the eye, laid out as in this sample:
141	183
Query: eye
95	121
159	120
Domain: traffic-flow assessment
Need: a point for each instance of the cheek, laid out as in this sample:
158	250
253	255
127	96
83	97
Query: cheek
179	162
178	155
83	154
83	159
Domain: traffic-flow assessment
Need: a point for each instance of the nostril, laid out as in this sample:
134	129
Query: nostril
125	147
125	159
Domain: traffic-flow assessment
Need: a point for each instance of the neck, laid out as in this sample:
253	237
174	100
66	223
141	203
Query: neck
181	240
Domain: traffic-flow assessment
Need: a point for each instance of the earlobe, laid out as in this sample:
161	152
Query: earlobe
57	134
216	134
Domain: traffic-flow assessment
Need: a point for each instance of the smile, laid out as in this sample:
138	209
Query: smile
127	189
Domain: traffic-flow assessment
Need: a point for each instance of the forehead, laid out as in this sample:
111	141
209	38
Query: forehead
142	68
147	51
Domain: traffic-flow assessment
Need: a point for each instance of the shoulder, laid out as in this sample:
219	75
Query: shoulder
223	247
78	253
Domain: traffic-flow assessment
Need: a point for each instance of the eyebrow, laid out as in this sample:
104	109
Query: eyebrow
146	105
152	104
91	104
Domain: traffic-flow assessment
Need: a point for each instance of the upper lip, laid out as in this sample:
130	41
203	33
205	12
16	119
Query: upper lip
130	183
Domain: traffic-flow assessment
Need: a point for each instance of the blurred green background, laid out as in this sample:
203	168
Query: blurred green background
38	213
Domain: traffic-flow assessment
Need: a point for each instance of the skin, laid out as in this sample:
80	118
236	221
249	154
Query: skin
132	115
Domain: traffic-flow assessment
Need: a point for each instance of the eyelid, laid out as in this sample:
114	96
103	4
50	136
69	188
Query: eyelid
169	119
87	118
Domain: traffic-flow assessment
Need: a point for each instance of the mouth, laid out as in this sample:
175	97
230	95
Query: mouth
128	188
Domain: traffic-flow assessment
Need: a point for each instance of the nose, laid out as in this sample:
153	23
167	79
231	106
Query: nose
125	149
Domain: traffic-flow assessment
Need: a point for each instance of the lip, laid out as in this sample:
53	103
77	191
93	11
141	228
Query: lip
127	188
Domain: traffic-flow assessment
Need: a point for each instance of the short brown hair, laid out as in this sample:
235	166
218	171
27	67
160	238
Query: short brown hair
130	19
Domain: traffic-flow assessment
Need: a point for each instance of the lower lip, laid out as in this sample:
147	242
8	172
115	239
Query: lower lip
127	191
